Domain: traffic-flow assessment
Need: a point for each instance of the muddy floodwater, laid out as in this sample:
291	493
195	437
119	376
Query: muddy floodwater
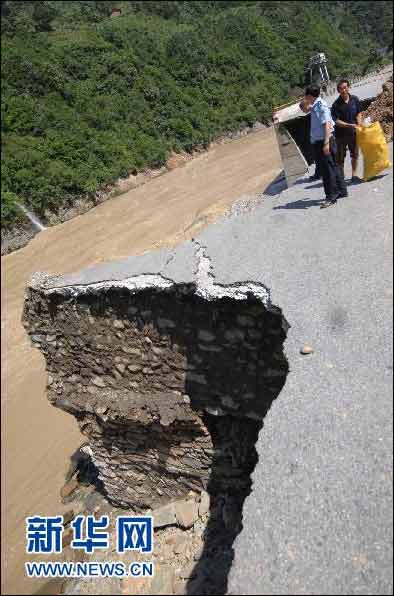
37	438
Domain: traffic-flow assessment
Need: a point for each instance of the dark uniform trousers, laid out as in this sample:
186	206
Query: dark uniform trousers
333	180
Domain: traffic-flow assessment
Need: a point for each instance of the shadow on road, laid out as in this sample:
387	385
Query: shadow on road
318	185
302	181
277	185
301	204
359	181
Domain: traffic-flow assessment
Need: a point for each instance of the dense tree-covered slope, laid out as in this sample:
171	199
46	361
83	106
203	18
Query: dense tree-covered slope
87	98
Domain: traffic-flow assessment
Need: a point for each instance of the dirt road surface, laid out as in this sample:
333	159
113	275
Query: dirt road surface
37	438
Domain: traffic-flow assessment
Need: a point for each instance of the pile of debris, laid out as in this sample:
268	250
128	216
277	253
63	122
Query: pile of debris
192	540
381	110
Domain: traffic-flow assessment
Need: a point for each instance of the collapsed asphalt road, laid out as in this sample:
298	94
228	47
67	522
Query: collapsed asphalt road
328	271
319	519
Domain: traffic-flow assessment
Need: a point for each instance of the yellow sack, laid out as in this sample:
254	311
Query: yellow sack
375	150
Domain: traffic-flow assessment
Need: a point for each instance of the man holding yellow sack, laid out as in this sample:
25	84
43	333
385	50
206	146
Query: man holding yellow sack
345	112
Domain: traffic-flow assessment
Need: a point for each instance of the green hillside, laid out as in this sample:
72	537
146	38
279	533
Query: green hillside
87	98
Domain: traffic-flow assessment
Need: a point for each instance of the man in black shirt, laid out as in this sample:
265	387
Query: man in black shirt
345	112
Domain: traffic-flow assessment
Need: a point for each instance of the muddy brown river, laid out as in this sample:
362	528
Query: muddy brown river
37	438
